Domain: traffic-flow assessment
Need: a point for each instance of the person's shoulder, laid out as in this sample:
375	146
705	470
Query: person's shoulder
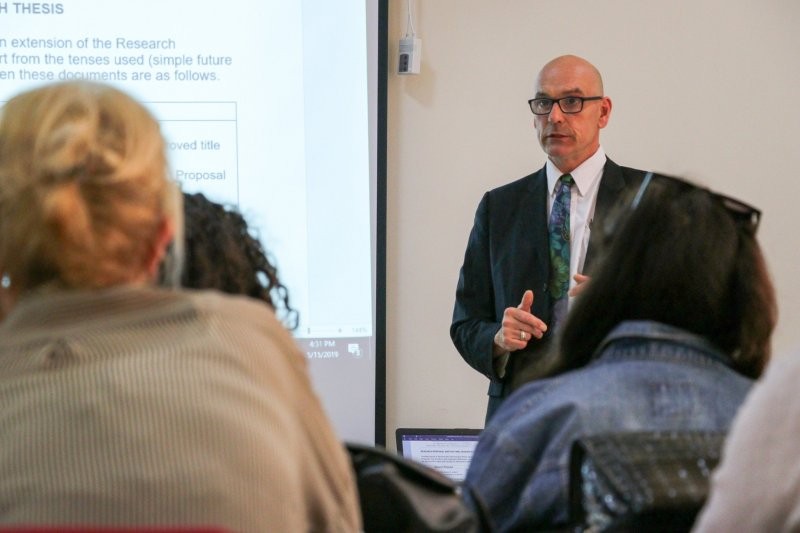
613	167
246	321
537	417
618	177
574	391
516	187
230	307
781	375
636	174
540	397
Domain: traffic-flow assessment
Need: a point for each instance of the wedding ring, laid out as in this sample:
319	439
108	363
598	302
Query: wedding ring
522	335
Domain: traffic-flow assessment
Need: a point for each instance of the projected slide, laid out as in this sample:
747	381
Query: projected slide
265	105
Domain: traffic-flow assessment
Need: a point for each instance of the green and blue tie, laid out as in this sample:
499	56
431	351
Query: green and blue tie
559	248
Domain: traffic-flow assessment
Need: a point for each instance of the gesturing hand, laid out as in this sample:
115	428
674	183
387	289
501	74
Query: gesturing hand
580	284
518	326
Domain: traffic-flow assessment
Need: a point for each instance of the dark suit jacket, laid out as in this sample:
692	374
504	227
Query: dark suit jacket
508	253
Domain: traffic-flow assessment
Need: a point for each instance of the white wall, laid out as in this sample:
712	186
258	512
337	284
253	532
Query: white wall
709	89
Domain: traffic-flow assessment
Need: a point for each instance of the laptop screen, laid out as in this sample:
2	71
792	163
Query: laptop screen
447	450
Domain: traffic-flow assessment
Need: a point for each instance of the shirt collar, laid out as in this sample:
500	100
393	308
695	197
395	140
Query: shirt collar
584	175
660	332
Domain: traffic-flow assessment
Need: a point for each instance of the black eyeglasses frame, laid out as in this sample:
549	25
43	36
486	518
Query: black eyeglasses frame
557	101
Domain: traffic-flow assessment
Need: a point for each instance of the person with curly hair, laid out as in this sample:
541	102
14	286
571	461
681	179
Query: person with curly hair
221	252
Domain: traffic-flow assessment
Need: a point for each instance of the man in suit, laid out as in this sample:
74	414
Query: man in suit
503	320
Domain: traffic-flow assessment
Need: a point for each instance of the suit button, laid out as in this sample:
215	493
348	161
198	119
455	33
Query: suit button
544	287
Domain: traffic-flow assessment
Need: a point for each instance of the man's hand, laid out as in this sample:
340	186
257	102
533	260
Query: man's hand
580	284
518	327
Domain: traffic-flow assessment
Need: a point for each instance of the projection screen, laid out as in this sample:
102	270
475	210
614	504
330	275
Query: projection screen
276	107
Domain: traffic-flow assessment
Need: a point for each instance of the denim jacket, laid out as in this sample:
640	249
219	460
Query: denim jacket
645	376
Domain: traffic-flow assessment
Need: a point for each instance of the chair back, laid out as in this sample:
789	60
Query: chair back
641	481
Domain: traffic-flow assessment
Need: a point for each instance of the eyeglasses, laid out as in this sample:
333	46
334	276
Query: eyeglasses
740	211
568	104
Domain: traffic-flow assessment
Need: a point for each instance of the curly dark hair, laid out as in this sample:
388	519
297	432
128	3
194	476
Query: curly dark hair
223	253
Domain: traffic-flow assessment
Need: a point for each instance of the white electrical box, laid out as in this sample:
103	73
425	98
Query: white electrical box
410	55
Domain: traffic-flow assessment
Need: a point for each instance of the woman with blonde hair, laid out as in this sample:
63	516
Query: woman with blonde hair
123	403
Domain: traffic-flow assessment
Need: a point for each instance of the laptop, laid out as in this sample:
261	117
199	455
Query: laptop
447	450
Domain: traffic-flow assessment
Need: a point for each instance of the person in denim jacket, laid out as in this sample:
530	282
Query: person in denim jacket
669	334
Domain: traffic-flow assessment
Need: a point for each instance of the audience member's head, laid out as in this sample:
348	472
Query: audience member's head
85	199
689	258
221	253
667	336
127	404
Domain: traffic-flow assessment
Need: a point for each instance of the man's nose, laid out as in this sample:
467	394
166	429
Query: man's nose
555	115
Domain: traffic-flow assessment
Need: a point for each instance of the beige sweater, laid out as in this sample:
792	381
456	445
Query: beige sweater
756	487
136	406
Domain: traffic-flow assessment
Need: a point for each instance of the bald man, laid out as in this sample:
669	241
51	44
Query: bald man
504	320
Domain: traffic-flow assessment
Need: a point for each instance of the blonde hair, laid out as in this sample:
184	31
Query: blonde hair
84	187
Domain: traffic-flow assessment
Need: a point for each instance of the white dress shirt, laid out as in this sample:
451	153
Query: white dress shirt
581	210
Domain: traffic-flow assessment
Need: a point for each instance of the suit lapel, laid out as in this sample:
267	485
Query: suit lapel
535	226
612	186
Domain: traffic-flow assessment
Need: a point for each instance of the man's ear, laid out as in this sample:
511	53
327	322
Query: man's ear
605	112
164	236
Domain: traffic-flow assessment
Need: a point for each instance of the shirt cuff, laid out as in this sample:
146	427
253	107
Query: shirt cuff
500	363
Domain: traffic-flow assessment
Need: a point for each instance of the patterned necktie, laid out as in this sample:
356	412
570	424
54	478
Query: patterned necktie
559	248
